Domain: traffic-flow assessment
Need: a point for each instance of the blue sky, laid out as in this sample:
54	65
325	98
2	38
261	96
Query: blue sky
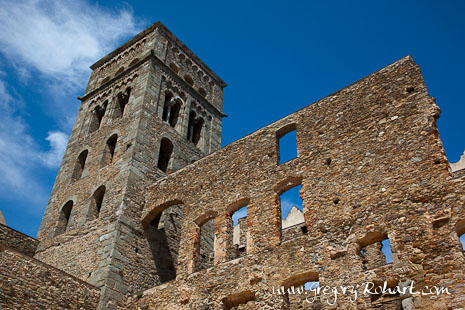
276	57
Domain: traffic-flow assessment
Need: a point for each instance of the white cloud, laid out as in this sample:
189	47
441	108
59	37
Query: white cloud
58	141
50	43
60	38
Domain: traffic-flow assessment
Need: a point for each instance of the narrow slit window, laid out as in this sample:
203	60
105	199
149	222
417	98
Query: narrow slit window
166	148
239	235
287	143
292	217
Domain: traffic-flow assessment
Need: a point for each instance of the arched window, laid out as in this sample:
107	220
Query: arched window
174	113
286	143
167	106
109	150
97	116
194	128
197	130
174	67
163	236
298	287
122	100
79	166
166	148
97	201
202	92
189	80
237	228
119	71
63	218
134	62
106	79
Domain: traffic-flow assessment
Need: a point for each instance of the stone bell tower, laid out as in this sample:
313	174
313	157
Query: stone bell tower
151	107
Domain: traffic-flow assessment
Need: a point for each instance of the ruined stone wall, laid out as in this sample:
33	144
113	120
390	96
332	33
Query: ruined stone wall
387	177
26	283
17	241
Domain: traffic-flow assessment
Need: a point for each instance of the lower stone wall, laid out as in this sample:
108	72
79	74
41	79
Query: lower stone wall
18	241
26	283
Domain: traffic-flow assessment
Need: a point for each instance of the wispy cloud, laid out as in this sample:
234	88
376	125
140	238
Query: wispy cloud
60	38
58	141
49	43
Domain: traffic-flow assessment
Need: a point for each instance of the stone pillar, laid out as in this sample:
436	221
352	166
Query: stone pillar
223	233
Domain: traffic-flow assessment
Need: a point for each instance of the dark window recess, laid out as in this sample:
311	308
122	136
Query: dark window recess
194	128
97	201
79	166
122	101
109	150
166	148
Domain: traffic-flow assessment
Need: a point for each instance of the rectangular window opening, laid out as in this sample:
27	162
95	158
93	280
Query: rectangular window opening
239	243
287	145
292	216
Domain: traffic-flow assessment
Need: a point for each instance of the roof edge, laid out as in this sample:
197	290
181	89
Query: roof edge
146	31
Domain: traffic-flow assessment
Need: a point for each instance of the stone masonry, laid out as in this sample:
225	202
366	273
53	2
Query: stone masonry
140	215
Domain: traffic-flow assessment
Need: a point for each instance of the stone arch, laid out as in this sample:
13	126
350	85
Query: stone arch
189	79
106	79
79	165
238	299
96	203
290	147
64	215
135	61
298	284
122	100
236	235
109	150
162	228
174	67
171	107
291	220
97	115
120	70
202	92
